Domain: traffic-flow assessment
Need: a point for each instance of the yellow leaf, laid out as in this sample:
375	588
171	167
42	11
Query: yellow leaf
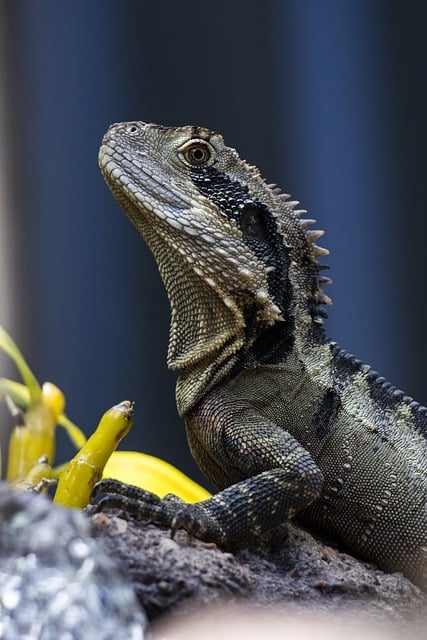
153	474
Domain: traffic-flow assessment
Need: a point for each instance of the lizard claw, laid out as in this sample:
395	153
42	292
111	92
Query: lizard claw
188	519
182	520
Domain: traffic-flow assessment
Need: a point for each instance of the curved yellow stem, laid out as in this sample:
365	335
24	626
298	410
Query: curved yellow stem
85	469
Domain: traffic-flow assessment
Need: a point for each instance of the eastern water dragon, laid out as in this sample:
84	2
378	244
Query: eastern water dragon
278	417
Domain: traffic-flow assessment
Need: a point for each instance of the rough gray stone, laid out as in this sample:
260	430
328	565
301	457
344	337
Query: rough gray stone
290	570
166	572
59	576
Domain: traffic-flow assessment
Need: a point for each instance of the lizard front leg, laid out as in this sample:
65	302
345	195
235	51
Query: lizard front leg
264	473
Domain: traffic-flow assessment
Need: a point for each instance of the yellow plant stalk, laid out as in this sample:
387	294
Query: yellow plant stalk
34	437
20	395
153	474
38	477
32	444
34	433
85	469
10	347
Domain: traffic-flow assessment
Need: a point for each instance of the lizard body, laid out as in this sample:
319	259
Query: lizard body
278	417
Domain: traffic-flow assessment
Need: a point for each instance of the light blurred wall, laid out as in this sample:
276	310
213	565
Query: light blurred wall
6	310
9	253
328	98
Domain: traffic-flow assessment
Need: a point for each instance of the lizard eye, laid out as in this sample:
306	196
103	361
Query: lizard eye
196	153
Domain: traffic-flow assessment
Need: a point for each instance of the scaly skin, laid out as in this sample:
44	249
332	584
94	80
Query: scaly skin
279	418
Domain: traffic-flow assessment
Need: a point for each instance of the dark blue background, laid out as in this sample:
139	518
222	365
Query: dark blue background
327	97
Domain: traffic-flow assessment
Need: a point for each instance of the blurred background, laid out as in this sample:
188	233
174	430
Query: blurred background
327	97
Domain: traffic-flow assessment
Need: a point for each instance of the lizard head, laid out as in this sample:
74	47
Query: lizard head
229	246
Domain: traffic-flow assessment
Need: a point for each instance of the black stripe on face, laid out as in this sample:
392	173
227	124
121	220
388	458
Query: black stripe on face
257	224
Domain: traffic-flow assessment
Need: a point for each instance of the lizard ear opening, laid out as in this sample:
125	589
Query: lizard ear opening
201	322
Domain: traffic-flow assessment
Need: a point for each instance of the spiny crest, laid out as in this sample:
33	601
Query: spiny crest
311	235
289	216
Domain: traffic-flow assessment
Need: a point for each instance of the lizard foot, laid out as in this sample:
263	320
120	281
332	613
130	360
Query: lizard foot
170	511
137	502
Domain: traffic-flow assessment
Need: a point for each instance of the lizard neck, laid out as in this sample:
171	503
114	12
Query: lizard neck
196	381
248	345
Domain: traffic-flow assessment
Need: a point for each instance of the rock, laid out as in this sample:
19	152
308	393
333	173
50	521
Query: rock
290	570
67	576
166	572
